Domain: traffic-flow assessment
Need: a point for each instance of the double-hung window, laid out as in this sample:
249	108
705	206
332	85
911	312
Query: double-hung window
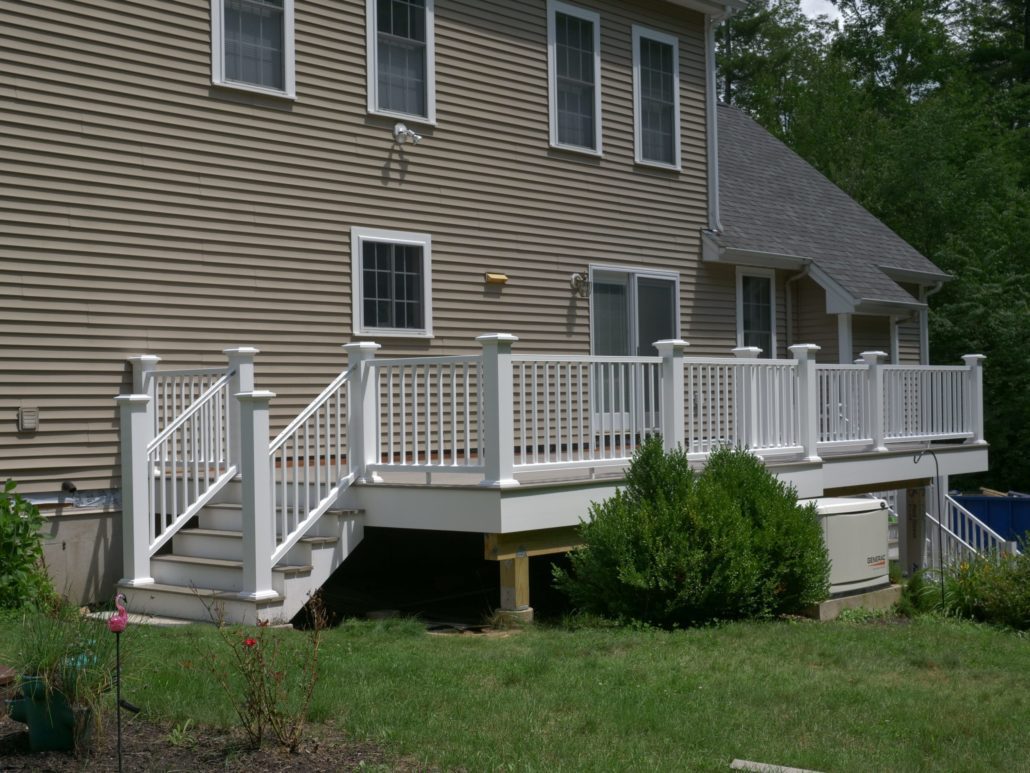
252	45
756	310
574	76
392	279
656	100
401	73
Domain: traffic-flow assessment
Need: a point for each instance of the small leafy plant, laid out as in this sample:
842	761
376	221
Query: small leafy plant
269	676
23	576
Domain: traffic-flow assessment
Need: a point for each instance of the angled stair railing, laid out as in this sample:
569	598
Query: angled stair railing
974	532
961	537
309	465
189	462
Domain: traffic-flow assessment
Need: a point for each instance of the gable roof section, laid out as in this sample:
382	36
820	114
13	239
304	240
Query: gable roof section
776	208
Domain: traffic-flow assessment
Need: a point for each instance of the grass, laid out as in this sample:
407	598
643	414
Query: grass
932	694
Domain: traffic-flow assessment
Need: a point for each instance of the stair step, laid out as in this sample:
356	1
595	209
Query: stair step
201	604
224	564
208	593
239	535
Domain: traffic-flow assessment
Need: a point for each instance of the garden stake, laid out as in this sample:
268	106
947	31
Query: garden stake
116	624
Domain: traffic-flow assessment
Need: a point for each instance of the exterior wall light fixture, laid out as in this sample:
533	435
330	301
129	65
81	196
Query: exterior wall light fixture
580	285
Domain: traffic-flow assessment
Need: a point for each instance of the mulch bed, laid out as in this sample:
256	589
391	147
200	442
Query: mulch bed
148	746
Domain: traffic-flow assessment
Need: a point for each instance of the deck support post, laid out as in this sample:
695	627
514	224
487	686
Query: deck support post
808	399
747	410
256	474
975	395
362	422
137	430
498	431
672	428
912	531
515	589
241	381
875	391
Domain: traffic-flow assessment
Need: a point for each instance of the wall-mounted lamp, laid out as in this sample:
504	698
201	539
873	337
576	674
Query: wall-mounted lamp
402	134
580	285
495	279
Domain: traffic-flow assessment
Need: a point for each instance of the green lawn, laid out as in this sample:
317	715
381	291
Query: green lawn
926	695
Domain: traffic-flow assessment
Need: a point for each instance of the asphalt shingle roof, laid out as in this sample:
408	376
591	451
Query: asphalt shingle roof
773	201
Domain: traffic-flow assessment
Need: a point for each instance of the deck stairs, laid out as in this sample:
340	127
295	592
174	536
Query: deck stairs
198	575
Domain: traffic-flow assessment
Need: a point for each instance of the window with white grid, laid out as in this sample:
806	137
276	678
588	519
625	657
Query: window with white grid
252	45
400	58
574	73
392	282
656	98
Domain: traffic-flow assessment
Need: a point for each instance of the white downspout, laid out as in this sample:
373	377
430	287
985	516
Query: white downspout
711	106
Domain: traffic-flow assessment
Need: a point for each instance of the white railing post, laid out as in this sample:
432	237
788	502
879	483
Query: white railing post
671	352
877	417
975	396
362	421
144	383
256	474
241	366
747	410
498	411
137	430
808	399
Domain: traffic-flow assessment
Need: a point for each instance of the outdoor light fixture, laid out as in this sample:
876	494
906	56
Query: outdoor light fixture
580	285
493	278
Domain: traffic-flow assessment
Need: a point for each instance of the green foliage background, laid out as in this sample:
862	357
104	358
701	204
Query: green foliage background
920	110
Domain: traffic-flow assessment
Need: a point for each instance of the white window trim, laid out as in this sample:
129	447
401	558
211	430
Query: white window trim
371	58
638	138
357	237
764	273
632	273
218	54
554	7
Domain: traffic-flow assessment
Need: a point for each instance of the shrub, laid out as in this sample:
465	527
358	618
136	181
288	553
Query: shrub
673	548
991	589
23	577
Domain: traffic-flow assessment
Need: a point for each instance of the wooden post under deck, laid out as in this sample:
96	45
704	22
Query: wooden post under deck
512	551
515	589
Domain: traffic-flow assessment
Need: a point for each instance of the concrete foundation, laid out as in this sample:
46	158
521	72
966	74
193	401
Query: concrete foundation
882	598
83	554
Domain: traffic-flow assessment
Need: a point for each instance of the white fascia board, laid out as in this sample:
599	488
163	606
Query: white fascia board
717	10
738	257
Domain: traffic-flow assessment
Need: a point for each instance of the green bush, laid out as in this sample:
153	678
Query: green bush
23	577
991	589
675	548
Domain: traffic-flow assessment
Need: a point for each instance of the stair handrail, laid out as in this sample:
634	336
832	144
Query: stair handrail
308	411
295	506
953	538
205	468
996	541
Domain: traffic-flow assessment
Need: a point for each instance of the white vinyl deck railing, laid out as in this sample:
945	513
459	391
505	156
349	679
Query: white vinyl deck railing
926	402
189	462
844	405
428	411
974	532
745	402
579	410
495	414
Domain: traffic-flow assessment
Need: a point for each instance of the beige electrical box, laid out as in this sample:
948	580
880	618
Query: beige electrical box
855	531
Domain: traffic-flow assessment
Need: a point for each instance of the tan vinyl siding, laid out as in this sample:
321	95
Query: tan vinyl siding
908	339
814	325
143	210
870	333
